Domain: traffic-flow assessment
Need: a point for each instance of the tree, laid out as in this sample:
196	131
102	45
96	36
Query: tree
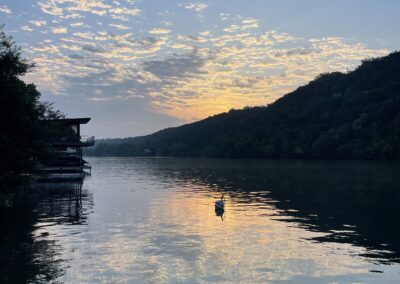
22	133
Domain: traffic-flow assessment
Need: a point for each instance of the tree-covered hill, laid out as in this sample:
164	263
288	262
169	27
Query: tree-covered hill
336	116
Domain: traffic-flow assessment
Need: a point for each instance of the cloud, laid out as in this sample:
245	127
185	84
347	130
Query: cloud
46	48
51	8
72	9
26	29
166	23
298	51
159	31
5	9
59	30
119	26
184	75
196	6
77	24
231	28
38	23
124	11
191	38
181	46
249	23
176	66
94	49
224	16
76	56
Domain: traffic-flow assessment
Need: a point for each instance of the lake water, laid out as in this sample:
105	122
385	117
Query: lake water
138	220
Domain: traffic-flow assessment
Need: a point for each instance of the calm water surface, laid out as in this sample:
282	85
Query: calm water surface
153	221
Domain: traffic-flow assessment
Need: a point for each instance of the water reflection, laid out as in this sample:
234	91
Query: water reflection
305	222
354	203
28	252
220	213
154	221
350	209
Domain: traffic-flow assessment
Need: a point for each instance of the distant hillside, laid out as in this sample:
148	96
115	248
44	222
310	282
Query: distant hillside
336	116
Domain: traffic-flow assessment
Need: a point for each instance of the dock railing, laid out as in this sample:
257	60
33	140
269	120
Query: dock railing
87	140
83	141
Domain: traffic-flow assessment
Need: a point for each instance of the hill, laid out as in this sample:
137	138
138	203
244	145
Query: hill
336	116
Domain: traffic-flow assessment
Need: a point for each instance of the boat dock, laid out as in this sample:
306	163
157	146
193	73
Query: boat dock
68	164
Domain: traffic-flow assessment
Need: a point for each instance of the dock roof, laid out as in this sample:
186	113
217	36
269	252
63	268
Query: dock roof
72	121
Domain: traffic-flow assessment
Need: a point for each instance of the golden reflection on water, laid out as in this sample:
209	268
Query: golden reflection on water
250	242
150	228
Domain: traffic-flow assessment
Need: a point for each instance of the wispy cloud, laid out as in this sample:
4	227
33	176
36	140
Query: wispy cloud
176	66
249	23
159	31
5	9
224	16
59	30
26	29
197	6
73	9
102	52
77	24
38	23
119	26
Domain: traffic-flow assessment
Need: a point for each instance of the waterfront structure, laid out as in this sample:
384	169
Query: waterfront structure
68	163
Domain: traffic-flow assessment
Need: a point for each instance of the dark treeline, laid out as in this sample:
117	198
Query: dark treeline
24	138
336	116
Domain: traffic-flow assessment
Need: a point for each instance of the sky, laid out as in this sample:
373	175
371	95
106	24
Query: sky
136	67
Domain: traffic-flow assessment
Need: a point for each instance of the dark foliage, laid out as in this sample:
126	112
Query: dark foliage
23	136
336	116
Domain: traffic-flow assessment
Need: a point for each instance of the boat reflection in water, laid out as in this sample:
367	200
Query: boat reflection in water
29	221
353	203
298	221
154	221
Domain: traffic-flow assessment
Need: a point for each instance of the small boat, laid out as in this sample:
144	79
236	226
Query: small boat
219	204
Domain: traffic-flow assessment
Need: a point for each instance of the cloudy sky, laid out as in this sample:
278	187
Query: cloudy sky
139	66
